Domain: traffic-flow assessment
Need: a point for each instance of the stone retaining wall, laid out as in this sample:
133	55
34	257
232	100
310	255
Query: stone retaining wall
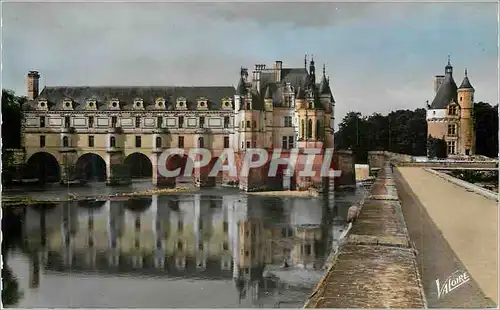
376	265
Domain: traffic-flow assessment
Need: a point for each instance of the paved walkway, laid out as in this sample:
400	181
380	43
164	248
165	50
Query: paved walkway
452	229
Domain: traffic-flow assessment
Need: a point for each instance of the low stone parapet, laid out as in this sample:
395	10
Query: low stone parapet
375	266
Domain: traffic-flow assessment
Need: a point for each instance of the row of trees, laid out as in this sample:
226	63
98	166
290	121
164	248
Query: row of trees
405	131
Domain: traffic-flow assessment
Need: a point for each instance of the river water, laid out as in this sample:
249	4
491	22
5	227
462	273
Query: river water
211	248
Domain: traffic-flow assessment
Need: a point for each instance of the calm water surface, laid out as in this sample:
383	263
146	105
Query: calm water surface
212	248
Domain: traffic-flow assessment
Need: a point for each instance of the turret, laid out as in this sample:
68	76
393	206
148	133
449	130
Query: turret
465	96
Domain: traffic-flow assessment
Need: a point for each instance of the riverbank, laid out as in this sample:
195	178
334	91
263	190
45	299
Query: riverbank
21	200
286	193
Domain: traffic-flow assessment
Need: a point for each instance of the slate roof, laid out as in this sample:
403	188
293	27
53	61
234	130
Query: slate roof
466	83
126	95
446	93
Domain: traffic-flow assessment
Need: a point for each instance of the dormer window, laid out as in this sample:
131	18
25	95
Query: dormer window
452	110
92	104
138	104
227	103
160	103
202	103
42	104
181	103
67	104
114	104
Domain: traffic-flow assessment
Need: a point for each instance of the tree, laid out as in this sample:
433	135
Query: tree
401	131
11	119
436	148
486	127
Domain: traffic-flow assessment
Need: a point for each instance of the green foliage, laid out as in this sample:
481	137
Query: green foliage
436	148
11	119
486	126
401	131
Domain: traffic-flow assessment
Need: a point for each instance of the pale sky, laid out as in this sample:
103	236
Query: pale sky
379	56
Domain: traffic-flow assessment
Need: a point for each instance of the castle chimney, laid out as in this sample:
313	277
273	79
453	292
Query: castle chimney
277	70
438	80
33	81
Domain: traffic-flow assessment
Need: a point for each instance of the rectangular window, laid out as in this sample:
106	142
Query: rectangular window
254	144
284	142
288	121
200	225
159	122
201	143
248	144
225	226
42	121
226	121
202	121
114	121
451	147
42	141
225	246
137	141
181	121
180	226
452	130
290	142
67	122
180	142
91	121
91	141
137	122
226	142
248	124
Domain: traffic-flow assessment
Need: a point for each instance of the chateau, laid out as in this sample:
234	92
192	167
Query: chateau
114	133
450	115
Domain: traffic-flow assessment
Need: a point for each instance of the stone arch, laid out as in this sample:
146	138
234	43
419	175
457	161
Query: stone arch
44	167
92	167
140	165
178	161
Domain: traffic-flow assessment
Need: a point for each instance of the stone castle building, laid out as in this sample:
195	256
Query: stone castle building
450	115
114	133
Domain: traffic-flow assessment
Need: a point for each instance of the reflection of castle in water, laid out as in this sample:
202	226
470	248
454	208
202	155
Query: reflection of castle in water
186	235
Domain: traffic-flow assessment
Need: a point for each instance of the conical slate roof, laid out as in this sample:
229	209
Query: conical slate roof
324	87
466	83
447	93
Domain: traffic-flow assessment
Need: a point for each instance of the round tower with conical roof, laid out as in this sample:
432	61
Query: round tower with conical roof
465	96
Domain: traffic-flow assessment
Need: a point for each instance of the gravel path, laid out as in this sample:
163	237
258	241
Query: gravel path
452	229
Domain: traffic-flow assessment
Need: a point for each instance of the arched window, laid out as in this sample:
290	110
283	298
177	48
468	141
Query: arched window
201	143
65	142
158	142
309	128
319	132
302	128
112	142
